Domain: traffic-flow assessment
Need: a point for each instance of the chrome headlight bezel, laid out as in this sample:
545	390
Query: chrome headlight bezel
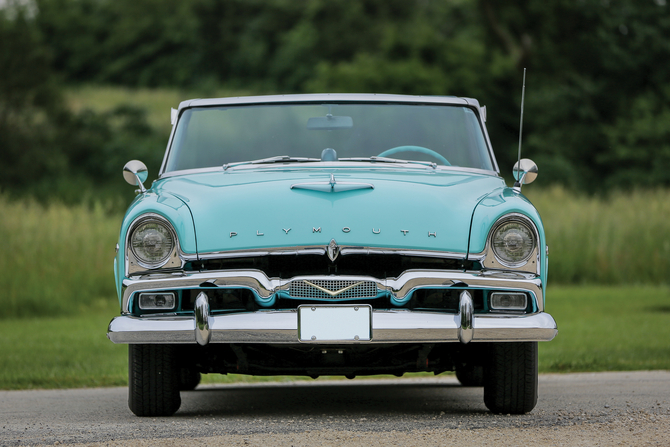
529	261
135	262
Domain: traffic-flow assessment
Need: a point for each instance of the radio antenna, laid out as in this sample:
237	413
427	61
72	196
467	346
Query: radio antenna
523	95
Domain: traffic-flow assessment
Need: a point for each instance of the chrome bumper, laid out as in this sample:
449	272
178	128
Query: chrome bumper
388	326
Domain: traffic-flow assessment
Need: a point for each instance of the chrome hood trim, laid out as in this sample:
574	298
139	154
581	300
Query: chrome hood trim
321	250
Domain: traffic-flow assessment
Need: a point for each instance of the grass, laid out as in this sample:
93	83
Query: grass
608	329
620	239
56	260
600	329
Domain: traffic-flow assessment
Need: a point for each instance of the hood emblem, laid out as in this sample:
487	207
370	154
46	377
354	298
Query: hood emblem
333	250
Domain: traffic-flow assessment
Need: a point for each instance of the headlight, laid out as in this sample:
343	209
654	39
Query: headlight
513	242
152	243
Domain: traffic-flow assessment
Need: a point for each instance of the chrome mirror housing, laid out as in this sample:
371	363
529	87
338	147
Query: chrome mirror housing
135	172
524	172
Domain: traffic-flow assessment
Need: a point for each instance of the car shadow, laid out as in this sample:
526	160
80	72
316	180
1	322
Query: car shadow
334	399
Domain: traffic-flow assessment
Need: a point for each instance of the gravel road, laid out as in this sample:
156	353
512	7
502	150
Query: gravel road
613	408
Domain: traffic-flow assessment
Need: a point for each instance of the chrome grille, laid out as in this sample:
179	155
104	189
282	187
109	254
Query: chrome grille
360	289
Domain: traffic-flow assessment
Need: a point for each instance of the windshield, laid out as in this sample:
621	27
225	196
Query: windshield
442	134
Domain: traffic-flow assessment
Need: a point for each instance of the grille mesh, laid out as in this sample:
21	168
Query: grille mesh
362	289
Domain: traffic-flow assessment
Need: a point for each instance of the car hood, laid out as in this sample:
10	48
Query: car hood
271	208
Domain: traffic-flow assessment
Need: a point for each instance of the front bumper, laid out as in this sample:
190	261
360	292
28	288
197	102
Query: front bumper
388	326
385	325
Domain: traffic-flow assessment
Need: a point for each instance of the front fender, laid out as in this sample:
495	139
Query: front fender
166	205
497	204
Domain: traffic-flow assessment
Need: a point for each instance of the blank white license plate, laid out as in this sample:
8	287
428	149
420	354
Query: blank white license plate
334	323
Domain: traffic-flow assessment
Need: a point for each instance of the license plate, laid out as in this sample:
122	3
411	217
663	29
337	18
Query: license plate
334	323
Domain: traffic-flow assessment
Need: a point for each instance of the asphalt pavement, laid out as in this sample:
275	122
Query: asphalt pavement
99	415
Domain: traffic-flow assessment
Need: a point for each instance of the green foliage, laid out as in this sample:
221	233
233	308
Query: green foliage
48	151
596	93
28	100
596	104
149	42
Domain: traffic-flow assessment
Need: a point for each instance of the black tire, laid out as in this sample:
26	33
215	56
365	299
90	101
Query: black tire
153	380
470	375
510	379
189	378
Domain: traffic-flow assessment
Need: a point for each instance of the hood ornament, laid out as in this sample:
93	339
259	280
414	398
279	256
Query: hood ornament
332	185
333	250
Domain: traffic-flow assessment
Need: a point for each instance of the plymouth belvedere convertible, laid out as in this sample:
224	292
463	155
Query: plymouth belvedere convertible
331	234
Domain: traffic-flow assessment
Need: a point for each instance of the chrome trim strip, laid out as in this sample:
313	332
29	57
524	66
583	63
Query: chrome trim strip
249	279
327	97
321	250
399	287
388	326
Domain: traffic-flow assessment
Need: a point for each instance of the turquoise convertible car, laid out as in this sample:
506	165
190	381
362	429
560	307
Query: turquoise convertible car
331	234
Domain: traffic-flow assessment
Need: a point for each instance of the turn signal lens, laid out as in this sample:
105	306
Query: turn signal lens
508	301
157	301
513	242
152	242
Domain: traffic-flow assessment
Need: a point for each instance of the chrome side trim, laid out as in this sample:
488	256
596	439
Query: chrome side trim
465	315
281	327
399	287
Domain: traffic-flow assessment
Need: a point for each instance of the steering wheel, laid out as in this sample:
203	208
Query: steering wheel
420	149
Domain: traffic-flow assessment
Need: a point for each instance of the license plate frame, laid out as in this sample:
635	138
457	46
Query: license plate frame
334	323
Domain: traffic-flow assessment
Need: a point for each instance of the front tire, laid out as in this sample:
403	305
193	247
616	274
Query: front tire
153	380
510	379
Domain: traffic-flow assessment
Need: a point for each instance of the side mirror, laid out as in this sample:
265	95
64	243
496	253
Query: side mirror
524	172
135	172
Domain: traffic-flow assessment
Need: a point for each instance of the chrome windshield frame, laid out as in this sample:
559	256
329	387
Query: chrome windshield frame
335	97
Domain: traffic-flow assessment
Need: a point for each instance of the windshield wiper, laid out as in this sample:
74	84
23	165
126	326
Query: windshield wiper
391	160
277	159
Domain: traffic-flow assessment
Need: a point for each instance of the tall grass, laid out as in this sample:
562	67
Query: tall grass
57	260
620	239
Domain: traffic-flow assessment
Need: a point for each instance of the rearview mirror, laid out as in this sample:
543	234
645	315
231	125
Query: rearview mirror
330	122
